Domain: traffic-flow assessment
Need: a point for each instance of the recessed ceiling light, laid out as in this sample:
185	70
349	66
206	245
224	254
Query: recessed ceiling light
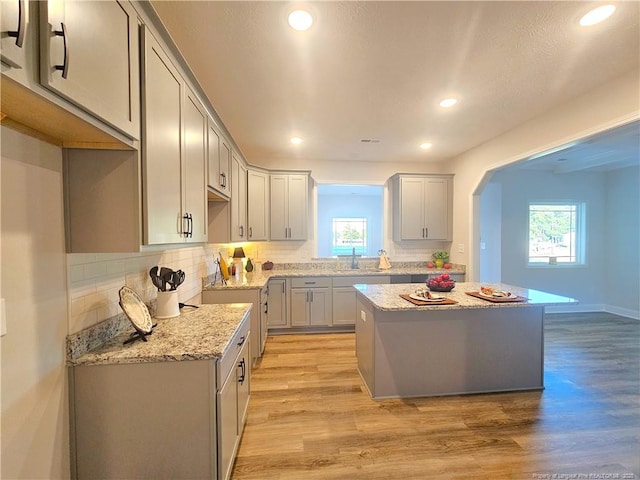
296	140
448	102
597	15
300	20
425	146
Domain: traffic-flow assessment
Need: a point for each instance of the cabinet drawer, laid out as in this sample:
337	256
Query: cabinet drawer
367	279
310	282
230	354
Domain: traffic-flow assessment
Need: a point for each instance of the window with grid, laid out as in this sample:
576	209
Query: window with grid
556	233
349	233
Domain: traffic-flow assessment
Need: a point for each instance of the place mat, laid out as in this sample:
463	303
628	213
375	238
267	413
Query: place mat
497	299
444	301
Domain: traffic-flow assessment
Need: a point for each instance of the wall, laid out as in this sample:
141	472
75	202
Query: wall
519	187
491	233
607	106
35	442
622	234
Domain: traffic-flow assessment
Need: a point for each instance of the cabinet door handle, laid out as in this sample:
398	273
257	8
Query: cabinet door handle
223	180
250	232
242	370
241	341
241	230
266	307
65	63
311	297
22	17
426	235
190	225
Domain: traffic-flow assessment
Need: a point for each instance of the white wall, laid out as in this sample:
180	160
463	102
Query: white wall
622	231
35	427
585	283
607	106
491	233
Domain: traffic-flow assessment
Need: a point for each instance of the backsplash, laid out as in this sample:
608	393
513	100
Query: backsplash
95	279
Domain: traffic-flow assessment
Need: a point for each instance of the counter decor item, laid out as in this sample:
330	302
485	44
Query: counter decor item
440	258
384	260
167	282
249	266
238	255
441	283
267	265
137	313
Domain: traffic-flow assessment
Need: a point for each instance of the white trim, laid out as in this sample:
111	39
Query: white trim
623	312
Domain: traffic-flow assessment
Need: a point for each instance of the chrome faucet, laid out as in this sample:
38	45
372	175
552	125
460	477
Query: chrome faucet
354	260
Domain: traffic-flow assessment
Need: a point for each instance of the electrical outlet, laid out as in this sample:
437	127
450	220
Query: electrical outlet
3	318
461	248
363	316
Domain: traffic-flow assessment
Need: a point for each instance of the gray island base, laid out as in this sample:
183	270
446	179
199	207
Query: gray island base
474	346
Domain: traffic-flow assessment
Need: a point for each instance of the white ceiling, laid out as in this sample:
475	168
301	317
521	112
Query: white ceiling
377	70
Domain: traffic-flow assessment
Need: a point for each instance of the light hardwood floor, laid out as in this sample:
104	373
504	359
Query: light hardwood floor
310	416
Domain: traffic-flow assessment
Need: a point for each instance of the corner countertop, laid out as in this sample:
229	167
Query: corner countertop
259	278
201	333
387	297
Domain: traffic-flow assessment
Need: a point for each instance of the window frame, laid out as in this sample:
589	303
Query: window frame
580	235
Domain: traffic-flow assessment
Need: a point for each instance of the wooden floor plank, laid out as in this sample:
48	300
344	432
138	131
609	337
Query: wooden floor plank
310	416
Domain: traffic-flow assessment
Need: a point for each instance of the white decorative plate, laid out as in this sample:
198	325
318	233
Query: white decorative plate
434	298
135	309
494	295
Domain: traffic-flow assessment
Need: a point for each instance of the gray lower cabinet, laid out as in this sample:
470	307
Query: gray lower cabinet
311	302
233	400
277	303
163	420
258	318
344	296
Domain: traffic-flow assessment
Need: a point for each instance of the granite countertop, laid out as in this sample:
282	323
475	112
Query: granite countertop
197	334
259	278
387	297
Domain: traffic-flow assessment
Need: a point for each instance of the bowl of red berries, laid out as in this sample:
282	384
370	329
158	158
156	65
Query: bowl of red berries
441	283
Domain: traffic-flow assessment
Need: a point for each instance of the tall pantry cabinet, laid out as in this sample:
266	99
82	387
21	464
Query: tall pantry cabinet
289	201
174	152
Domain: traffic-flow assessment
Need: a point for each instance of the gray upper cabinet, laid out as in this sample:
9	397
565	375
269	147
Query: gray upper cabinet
257	205
218	155
422	207
89	55
194	169
289	203
14	22
174	153
239	201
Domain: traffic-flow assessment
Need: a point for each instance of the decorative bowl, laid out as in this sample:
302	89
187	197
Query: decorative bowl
437	284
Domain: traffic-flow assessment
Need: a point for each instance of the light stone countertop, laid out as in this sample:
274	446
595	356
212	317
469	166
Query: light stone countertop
387	297
259	278
197	334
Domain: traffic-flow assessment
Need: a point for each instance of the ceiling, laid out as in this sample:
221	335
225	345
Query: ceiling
378	70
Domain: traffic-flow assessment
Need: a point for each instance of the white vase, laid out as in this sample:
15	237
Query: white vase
167	304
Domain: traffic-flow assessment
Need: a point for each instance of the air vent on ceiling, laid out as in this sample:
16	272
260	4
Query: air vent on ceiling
370	140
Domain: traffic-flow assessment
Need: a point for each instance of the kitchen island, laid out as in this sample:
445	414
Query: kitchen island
471	346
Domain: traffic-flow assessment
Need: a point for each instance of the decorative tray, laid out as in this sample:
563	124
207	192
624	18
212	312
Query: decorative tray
442	301
490	298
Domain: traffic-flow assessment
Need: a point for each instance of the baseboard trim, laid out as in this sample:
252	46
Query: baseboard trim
598	307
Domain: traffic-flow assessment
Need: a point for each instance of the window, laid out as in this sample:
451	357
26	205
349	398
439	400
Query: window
349	216
556	233
349	233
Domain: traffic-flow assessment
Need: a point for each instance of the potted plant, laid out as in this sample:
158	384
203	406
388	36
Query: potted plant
440	258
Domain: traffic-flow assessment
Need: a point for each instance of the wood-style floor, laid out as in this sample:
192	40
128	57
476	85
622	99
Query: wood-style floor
310	416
